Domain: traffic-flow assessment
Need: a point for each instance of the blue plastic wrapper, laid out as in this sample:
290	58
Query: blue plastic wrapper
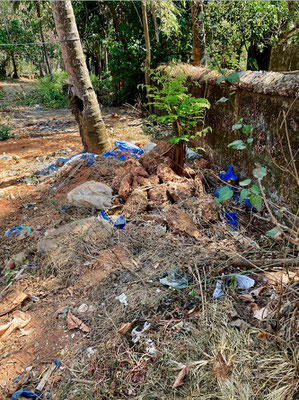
232	219
24	393
119	224
126	147
72	159
229	175
17	230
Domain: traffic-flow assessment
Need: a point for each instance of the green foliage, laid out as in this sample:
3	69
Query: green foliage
225	193
4	132
49	92
169	94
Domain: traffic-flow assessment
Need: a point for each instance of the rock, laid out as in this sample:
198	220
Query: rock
166	174
135	204
179	191
158	196
139	171
128	166
180	222
91	194
125	186
156	156
94	227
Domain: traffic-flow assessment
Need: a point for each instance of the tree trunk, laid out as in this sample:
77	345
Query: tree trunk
115	20
15	70
153	11
179	151
198	31
82	97
42	38
147	46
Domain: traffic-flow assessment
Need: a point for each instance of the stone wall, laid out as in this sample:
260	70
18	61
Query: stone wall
284	57
261	98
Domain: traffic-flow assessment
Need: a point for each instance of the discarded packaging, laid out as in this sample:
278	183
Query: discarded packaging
24	393
123	149
137	335
20	320
228	176
176	279
91	194
75	158
122	299
18	230
232	219
120	223
243	282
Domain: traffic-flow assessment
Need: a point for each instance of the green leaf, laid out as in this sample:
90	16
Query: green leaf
255	189
220	79
246	182
256	201
222	100
247	128
236	126
244	194
273	232
225	193
200	16
250	140
261	172
233	77
237	144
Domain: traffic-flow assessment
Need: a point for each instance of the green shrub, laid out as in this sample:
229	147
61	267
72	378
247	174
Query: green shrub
4	132
52	91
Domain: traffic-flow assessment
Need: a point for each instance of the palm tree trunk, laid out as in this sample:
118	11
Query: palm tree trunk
147	46
82	97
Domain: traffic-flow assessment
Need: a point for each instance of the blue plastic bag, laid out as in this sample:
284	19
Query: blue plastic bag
72	159
126	147
17	230
232	219
229	176
25	393
119	224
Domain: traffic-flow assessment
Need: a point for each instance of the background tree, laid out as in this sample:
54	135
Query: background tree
82	97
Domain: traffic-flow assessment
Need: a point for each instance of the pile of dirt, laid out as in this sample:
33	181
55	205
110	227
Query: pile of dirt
93	294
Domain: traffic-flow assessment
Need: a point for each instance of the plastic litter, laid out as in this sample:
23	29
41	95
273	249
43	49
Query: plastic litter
122	146
137	335
229	176
5	157
61	162
150	347
149	147
91	194
191	154
120	223
25	393
243	282
176	279
232	219
122	299
18	230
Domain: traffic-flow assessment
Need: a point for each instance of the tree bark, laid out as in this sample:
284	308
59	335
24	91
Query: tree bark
179	151
199	34
82	97
42	37
115	20
153	11
147	46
